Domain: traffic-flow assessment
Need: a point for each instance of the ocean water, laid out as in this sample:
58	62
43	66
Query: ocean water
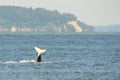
68	57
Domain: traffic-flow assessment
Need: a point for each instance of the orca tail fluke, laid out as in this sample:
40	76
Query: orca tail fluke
39	53
39	59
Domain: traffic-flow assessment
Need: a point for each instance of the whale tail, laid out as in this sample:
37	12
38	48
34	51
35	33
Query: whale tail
39	53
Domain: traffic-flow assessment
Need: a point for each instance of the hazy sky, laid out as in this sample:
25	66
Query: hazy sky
93	12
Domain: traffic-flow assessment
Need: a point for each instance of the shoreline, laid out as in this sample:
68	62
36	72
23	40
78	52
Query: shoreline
60	33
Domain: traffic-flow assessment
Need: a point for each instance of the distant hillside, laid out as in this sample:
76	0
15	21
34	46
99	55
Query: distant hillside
20	19
108	28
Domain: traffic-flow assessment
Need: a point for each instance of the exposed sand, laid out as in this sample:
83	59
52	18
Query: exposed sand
76	26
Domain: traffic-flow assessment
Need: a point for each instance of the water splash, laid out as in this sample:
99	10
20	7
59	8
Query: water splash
17	62
28	61
8	62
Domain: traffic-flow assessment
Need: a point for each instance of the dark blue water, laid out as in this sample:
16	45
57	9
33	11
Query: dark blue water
68	57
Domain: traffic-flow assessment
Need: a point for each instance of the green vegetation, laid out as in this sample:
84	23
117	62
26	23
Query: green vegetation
39	20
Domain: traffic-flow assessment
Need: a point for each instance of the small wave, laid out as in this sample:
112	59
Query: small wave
9	62
50	62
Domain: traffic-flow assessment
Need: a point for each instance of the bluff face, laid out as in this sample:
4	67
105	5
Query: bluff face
20	19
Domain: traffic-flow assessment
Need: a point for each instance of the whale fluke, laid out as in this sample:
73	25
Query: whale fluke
39	53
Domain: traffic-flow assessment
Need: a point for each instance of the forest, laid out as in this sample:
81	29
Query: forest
38	19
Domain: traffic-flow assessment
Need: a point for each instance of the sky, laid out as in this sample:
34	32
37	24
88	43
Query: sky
91	12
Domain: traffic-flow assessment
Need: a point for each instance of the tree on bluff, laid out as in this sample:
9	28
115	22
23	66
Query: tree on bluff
19	16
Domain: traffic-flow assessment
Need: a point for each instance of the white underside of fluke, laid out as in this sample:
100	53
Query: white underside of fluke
40	51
